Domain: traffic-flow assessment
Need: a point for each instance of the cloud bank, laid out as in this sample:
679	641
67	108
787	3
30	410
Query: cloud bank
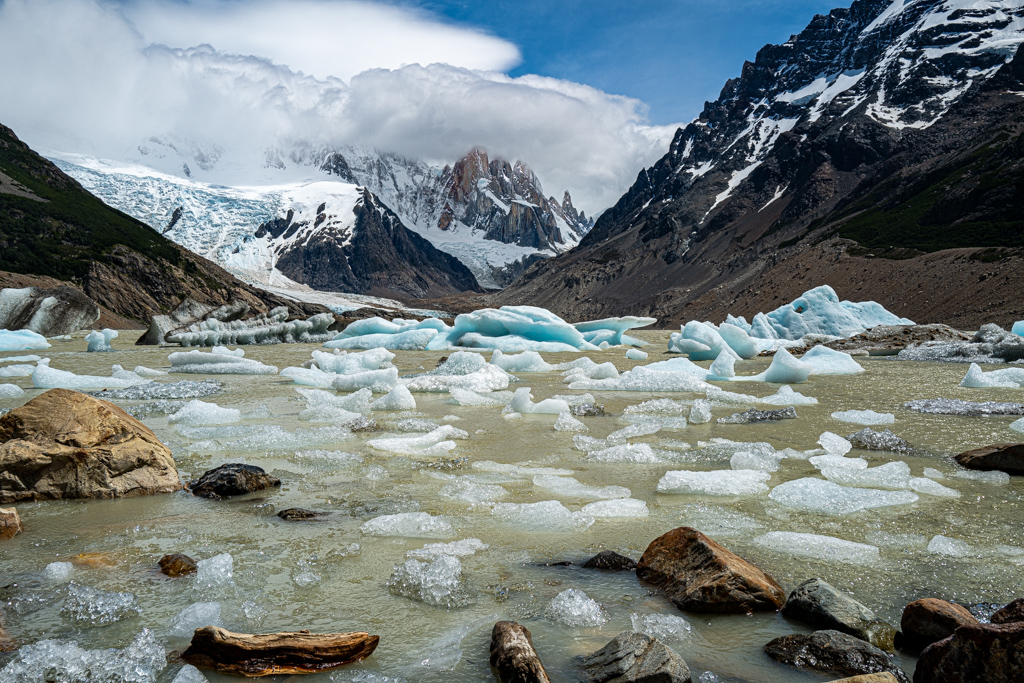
227	80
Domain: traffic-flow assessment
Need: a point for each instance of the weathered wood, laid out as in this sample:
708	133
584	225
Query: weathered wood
513	657
268	654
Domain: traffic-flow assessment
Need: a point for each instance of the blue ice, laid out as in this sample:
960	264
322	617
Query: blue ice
22	340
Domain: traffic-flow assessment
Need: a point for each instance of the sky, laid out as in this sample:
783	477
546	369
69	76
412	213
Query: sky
585	93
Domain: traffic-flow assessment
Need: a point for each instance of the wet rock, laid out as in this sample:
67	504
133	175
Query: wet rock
754	415
699	575
49	312
633	657
930	619
884	677
587	410
362	424
513	656
1013	612
885	440
832	652
993	653
1005	457
821	605
609	559
888	340
233	479
10	523
288	652
299	514
63	444
7	643
178	565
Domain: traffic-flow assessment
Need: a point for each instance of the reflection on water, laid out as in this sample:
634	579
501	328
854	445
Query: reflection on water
327	575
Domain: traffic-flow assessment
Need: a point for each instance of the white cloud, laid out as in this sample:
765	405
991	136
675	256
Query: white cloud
78	76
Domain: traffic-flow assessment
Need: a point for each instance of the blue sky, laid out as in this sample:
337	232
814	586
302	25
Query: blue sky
672	54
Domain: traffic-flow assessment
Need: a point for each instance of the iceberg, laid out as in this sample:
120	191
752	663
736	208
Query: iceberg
377	381
636	354
715	482
273	328
826	361
1018	328
399	398
864	417
409	340
817	547
351	363
218	361
826	497
527	361
785	396
522	402
45	377
22	340
785	369
100	341
611	330
642	378
1007	378
462	370
310	377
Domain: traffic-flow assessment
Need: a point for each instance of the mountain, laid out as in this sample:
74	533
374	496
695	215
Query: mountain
883	141
52	229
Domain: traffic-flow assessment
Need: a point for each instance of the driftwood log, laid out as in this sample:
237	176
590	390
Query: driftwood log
512	655
268	654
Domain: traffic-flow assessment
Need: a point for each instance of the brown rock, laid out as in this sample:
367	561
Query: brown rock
698	575
929	620
64	444
178	565
1009	614
268	654
7	643
299	514
1006	457
10	523
95	560
833	652
611	560
513	657
884	677
993	653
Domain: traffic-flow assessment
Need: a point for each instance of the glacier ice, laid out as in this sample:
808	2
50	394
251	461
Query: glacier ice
627	452
665	627
715	482
45	377
754	415
273	328
435	442
572	607
785	396
548	515
567	423
98	607
149	391
527	361
645	427
834	444
891	475
215	571
885	440
466	397
932	487
838	462
310	377
58	571
641	378
700	412
462	370
100	340
189	674
219	361
22	340
864	417
439	582
1007	378
826	497
469	490
699	341
349	363
585	368
568	486
636	354
197	412
955	406
784	369
28	358
11	391
196	615
611	331
827	548
377	381
141	661
1017	425
409	525
826	361
723	367
408	340
143	371
616	507
323	406
1018	328
463	548
950	547
746	460
522	402
399	398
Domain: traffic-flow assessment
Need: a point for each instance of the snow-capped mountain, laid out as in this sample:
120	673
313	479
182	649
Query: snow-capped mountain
864	109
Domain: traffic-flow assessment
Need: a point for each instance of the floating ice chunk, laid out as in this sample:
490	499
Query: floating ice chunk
567	486
694	337
184	389
611	330
627	452
826	361
993	477
323	406
641	378
785	369
932	488
825	548
590	370
644	428
13	391
22	340
658	406
933	473
58	571
891	475
720	397
519	470
1017	425
665	627
954	406
950	547
310	377
785	396
45	377
978	379
700	413
838	462
19	370
350	363
618	507
220	361
527	361
194	616
835	444
470	491
1018	328
738	340
30	358
440	583
410	340
567	423
98	607
864	417
434	442
143	371
724	367
517	328
409	525
574	608
225	351
487	378
100	341
522	402
819	495
201	413
548	515
463	548
273	328
715	482
189	674
320	458
377	381
465	397
139	662
819	311
885	440
216	570
636	354
766	462
399	398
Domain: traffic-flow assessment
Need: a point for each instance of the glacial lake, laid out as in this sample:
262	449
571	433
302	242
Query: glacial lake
327	575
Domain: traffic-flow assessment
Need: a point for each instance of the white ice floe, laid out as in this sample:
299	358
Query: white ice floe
826	361
11	391
141	661
830	461
45	377
617	507
409	525
463	548
100	341
573	607
469	490
324	406
570	487
636	354
700	341
891	475
399	398
567	423
58	571
22	340
835	444
784	369
520	471
746	460
463	370
700	412
522	402
218	361
825	548
1007	378
864	417
932	488
466	397
433	443
143	371
439	582
341	363
785	396
715	482
195	413
645	427
196	615
993	477
215	571
821	496
642	378
29	358
950	547
627	452
527	361
377	381
665	627
548	515
584	368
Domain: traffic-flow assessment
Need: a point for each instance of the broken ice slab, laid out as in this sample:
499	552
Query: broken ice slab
527	361
617	507
814	546
22	340
826	497
45	377
100	340
1006	378
571	488
864	417
522	402
955	406
197	413
439	582
715	482
410	525
572	607
548	515
219	361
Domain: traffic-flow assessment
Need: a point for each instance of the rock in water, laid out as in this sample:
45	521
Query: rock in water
178	565
1006	457
822	606
929	620
993	653
832	652
266	654
609	559
10	523
49	312
633	657
64	444
232	479
1013	612
883	677
699	575
513	657
299	514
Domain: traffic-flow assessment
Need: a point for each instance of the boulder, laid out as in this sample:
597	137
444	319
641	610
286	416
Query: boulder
10	523
267	654
63	444
49	312
611	560
232	479
821	605
884	677
299	514
1005	457
513	657
993	653
929	620
178	565
699	575
1009	614
832	652
633	657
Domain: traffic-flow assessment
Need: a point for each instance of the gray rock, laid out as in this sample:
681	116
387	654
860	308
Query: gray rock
754	415
821	605
232	479
633	657
609	559
832	652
